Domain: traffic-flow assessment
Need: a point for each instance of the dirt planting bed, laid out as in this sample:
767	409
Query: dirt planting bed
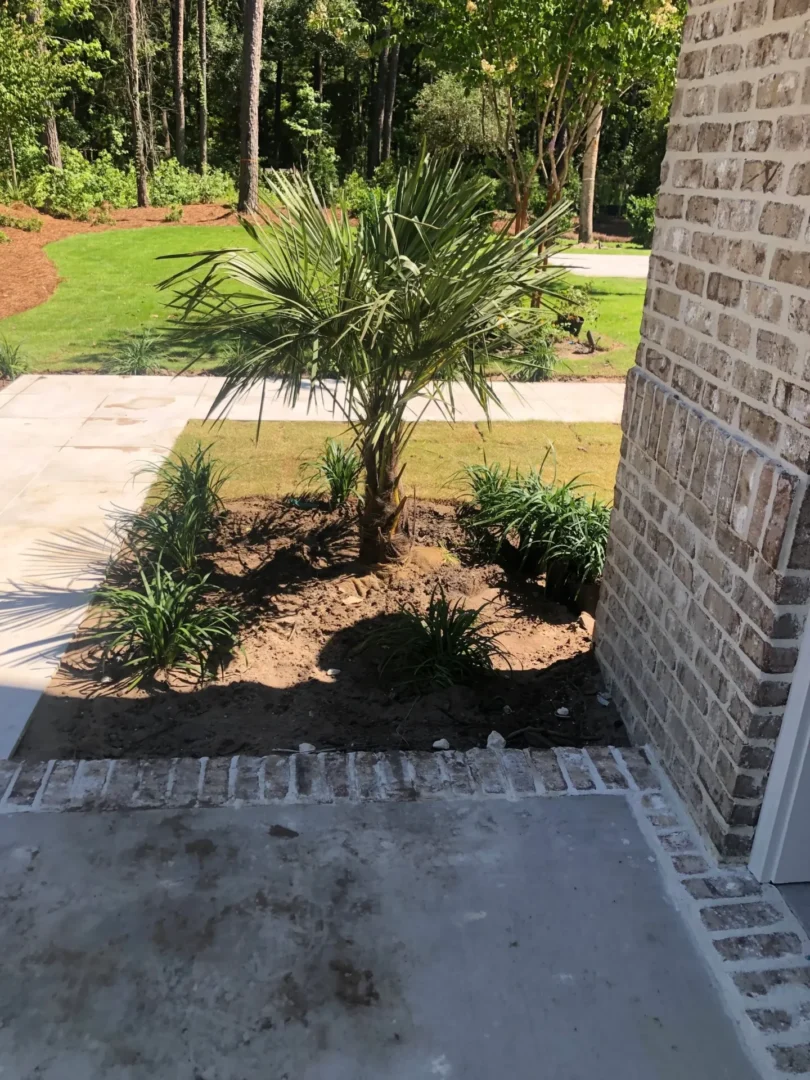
302	673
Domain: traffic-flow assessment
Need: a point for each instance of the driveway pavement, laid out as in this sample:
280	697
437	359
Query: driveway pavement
467	939
70	445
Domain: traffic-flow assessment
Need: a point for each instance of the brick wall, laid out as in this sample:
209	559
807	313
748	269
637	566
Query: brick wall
708	576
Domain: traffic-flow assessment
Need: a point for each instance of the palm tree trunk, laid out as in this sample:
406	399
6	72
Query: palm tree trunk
590	157
390	99
382	516
138	150
251	75
378	106
202	35
178	12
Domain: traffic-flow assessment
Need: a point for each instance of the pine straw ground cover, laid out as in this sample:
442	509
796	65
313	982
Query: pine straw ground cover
305	670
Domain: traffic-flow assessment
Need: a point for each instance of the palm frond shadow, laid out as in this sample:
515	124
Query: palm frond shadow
69	568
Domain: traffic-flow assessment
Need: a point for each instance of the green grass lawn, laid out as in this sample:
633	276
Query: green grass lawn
107	290
610	247
435	456
617	327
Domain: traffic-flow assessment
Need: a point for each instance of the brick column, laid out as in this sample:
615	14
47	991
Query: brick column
708	577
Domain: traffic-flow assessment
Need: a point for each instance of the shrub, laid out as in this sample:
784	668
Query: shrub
167	624
4	238
139	354
196	481
80	186
172	184
356	196
640	214
174	213
443	646
451	117
545	526
25	224
173	536
337	471
12	361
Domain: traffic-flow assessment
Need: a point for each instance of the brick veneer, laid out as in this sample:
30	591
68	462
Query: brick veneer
708	576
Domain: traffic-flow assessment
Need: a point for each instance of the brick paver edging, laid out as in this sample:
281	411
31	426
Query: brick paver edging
759	953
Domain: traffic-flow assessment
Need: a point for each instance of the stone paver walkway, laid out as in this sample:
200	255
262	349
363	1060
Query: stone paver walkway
70	445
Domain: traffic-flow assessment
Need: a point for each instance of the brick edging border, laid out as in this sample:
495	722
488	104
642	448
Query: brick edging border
759	954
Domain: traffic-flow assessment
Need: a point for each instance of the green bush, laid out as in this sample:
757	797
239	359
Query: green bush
640	215
167	624
337	471
545	527
80	186
24	224
172	184
138	354
173	536
12	361
446	645
538	360
4	238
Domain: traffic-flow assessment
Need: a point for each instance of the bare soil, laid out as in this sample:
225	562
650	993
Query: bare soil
27	275
304	672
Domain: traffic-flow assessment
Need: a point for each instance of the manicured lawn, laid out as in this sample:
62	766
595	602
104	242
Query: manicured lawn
107	289
616	328
611	247
436	454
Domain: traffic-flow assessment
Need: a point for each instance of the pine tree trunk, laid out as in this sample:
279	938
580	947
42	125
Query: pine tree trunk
167	136
376	118
590	157
51	140
13	161
382	516
178	12
317	74
138	150
202	34
390	100
251	76
278	126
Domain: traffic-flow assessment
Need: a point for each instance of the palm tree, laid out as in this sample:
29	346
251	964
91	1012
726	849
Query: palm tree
399	307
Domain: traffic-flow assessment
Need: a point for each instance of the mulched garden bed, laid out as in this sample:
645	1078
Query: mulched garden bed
302	673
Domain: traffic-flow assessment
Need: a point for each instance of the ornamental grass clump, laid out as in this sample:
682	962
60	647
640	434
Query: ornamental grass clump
540	526
337	471
446	645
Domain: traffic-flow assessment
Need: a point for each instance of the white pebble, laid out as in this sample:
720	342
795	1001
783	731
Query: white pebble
562	712
603	699
496	741
306	748
441	744
333	671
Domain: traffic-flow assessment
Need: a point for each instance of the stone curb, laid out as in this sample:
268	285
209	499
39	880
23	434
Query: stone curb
361	776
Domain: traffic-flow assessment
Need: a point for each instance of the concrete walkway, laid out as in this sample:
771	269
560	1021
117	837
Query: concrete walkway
70	445
587	264
459	939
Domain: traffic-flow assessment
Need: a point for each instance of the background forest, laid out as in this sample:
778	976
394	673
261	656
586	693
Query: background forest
113	103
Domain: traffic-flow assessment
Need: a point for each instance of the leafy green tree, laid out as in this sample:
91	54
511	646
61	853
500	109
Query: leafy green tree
545	65
451	117
400	307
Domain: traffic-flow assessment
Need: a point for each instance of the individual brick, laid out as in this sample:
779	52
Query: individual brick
767	50
27	784
487	771
735	97
575	765
88	784
216	782
677	842
518	770
723	289
457	772
763	302
310	779
186	779
335	769
799	179
689	864
770	1020
249	780
609	772
758	946
781	219
748	916
748	13
725	58
56	794
277	776
778	91
395	779
723	887
547	772
792	267
761	983
122	785
367	779
791	1059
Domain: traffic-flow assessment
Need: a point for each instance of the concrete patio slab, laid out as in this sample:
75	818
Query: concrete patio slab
468	939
